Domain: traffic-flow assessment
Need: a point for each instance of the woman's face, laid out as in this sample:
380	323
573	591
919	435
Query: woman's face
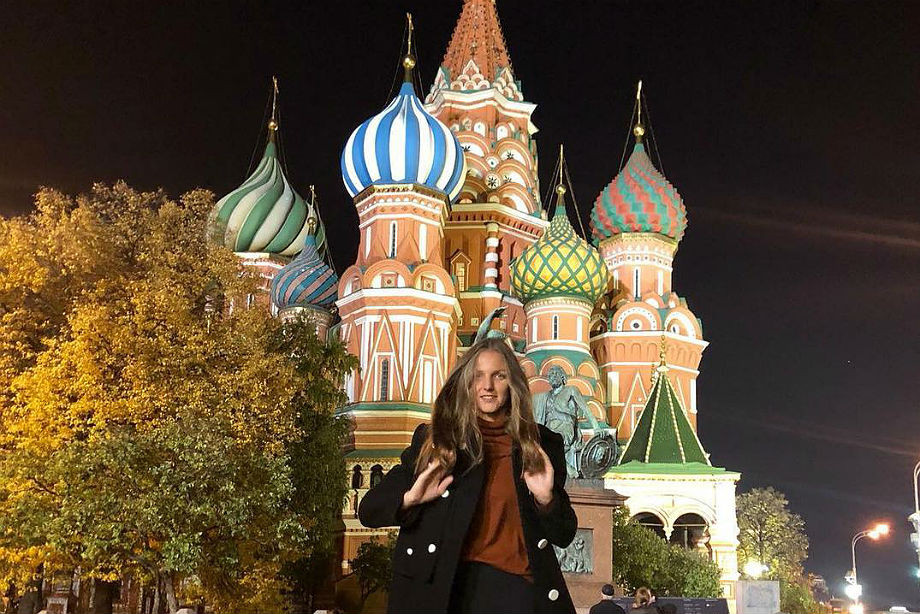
490	383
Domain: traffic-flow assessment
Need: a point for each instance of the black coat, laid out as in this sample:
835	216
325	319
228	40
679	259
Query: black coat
431	535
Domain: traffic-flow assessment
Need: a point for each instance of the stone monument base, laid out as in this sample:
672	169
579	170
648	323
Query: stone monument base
587	563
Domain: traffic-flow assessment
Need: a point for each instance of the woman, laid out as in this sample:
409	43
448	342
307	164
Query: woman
479	498
642	602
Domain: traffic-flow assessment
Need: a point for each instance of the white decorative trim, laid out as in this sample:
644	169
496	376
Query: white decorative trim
651	333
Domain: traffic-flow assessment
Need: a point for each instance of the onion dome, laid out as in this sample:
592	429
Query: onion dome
560	263
403	144
305	281
639	199
266	214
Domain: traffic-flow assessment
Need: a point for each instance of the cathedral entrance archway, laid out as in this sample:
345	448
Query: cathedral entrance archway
689	530
652	522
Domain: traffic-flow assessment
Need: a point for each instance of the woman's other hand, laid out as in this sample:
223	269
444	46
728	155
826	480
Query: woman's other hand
428	486
540	483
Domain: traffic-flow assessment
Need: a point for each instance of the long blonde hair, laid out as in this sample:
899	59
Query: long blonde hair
643	597
453	419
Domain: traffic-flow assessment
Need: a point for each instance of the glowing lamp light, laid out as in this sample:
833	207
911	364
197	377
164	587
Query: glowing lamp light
878	531
853	591
753	569
856	608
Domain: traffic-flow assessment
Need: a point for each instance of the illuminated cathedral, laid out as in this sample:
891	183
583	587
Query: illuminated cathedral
452	226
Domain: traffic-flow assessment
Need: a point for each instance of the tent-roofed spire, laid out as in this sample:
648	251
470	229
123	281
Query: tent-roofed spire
663	433
478	37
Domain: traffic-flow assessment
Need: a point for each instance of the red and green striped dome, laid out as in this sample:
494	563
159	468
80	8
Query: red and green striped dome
639	199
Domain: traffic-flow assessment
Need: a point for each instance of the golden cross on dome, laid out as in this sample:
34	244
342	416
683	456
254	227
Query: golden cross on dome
409	61
273	123
639	129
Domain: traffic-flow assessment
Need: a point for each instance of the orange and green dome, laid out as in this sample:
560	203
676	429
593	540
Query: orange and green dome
639	199
560	263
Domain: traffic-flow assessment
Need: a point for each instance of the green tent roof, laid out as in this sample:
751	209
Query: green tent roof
673	469
663	433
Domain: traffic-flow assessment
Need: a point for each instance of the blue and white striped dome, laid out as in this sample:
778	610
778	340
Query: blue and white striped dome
403	144
305	280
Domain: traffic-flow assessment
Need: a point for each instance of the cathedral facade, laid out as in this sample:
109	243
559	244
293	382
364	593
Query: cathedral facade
452	226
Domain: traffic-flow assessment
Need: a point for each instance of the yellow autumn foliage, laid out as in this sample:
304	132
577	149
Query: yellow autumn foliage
144	430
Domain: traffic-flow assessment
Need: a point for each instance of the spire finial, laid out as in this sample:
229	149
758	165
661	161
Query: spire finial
409	60
273	123
639	129
561	164
312	193
663	353
560	183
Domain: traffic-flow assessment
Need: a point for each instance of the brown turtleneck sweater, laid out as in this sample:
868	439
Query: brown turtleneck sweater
496	536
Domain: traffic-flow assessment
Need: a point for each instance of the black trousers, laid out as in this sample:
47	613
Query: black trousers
483	589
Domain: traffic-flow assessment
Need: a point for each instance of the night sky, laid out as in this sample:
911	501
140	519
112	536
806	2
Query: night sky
790	129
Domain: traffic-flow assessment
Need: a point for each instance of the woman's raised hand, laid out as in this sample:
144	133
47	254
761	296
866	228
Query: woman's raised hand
540	483
428	486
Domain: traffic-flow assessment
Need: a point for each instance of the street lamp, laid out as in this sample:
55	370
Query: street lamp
874	533
915	517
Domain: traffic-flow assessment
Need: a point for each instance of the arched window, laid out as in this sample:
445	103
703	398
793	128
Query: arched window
555	327
460	274
385	379
689	529
376	475
357	478
651	521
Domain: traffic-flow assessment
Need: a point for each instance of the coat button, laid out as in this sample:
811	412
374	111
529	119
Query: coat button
432	547
542	543
553	595
445	494
409	551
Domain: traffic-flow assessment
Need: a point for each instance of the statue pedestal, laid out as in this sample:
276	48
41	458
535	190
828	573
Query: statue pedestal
587	562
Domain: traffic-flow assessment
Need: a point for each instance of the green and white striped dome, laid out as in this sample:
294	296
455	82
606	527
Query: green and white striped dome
266	214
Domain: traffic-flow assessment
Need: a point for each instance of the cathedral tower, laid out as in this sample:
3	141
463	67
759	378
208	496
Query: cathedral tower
498	211
559	278
637	222
397	302
306	286
265	220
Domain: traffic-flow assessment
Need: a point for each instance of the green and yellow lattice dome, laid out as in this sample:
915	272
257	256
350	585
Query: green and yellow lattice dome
560	263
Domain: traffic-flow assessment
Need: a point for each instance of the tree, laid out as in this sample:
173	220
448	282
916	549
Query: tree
374	565
771	534
144	429
642	558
